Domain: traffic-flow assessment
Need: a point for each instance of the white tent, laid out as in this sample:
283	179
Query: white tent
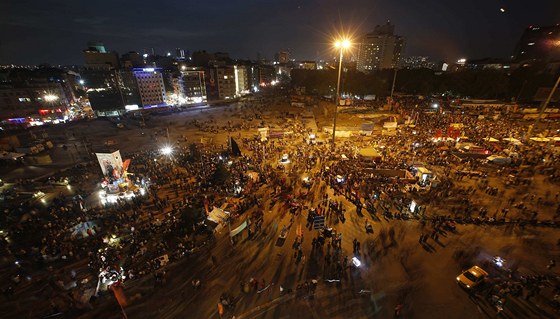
540	139
369	153
512	140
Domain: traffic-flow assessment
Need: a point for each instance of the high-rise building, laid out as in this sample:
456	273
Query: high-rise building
132	60
96	46
45	100
150	86
538	44
192	86
241	80
225	77
380	49
96	57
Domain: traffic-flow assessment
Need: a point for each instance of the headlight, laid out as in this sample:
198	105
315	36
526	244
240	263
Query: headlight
458	279
468	286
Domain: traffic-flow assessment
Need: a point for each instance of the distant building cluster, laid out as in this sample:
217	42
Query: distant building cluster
110	84
417	62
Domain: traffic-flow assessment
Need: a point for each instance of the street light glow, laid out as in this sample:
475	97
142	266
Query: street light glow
50	97
344	43
166	150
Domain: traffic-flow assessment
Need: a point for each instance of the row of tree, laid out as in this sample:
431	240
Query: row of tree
520	84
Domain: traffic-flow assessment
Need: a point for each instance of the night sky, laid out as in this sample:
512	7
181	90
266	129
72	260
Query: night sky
56	31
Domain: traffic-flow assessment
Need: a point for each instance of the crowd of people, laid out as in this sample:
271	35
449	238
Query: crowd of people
138	237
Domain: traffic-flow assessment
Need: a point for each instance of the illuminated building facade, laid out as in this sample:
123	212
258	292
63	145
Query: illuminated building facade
380	49
150	86
192	86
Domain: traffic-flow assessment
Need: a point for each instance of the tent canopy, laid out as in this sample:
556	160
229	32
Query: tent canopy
540	139
10	155
369	152
218	215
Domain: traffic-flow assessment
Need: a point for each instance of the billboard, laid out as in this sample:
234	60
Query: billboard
109	162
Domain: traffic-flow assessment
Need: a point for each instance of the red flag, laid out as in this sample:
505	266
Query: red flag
125	165
220	309
206	204
119	294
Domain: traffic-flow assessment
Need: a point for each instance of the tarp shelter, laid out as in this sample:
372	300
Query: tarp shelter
424	174
366	128
10	156
370	154
540	139
218	215
512	140
499	159
490	139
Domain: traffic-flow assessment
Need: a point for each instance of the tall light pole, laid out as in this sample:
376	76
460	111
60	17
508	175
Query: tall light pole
545	104
394	81
340	45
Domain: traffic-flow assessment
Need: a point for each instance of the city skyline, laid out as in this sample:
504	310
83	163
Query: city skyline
33	32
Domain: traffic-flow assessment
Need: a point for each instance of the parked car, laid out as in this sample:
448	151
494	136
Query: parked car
472	277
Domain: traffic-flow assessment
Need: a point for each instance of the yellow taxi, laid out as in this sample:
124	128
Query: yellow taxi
472	277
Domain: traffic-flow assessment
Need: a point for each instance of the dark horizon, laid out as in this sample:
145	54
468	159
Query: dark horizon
35	32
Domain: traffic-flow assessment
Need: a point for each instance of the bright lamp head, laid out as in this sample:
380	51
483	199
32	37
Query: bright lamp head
166	150
343	43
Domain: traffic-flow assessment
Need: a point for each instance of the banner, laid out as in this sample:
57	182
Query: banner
110	162
238	229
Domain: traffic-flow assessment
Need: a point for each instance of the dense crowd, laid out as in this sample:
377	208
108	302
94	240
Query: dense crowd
137	237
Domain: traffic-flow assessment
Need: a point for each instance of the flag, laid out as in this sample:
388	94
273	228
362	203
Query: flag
235	151
299	232
220	309
119	294
125	165
206	204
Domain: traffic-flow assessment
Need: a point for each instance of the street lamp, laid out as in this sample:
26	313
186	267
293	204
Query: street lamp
166	150
550	95
340	45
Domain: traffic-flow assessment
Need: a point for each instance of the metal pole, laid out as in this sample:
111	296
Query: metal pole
393	87
546	102
123	312
337	96
229	228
